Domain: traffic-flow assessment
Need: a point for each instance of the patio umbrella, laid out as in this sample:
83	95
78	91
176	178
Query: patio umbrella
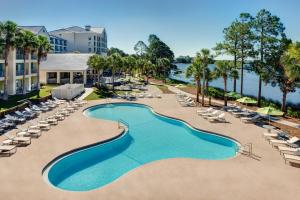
247	100
270	111
233	95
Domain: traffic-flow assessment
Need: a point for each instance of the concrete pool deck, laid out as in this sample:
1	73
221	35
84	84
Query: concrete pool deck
264	176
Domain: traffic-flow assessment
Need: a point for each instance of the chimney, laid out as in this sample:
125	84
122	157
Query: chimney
87	27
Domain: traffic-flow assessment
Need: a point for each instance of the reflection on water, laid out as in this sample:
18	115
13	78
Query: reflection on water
250	85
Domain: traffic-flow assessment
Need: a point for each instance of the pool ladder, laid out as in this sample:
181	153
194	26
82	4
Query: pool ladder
122	123
248	147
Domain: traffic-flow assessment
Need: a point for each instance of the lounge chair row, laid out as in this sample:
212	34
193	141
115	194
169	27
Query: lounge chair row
289	147
23	136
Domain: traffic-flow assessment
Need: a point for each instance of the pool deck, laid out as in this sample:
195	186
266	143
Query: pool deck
263	176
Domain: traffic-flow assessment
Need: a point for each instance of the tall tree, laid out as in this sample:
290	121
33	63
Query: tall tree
43	47
26	41
115	63
245	43
99	63
195	70
113	50
230	45
140	48
205	58
9	31
224	69
269	31
158	49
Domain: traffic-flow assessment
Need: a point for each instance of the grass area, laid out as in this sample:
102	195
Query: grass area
99	94
14	100
164	89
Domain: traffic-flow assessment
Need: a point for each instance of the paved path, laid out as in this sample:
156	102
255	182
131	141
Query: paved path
86	93
281	121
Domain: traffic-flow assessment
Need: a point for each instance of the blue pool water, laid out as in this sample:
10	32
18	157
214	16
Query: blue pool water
150	137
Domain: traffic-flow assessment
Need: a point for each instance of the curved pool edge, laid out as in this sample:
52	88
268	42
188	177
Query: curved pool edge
47	167
167	116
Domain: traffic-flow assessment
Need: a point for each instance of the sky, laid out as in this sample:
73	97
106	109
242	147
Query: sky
185	25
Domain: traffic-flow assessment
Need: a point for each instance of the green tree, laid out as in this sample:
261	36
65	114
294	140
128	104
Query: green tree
224	69
163	66
140	48
294	55
284	77
245	43
115	63
129	64
99	63
148	68
158	49
114	50
43	47
230	45
269	31
26	41
9	31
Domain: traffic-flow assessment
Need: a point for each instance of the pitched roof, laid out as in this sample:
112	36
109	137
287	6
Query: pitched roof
34	29
78	29
66	62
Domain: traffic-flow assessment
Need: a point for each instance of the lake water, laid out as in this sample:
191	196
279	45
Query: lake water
250	85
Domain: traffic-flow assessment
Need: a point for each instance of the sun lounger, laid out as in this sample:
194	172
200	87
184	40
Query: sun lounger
288	150
15	119
220	118
204	111
34	133
210	114
19	141
6	124
291	158
8	150
289	142
188	103
24	115
149	95
42	108
158	96
270	135
32	111
253	119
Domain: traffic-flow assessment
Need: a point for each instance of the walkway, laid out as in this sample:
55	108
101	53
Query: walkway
281	121
86	93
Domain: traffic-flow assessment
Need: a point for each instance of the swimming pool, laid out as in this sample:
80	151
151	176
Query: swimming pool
149	137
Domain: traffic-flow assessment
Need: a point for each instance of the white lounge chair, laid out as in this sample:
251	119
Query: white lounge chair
34	133
204	111
291	158
250	119
8	150
288	150
220	118
19	141
210	114
289	142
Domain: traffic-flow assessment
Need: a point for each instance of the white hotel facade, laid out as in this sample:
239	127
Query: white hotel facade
88	40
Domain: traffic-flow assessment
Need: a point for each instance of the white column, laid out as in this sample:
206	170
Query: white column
84	77
58	77
71	77
11	87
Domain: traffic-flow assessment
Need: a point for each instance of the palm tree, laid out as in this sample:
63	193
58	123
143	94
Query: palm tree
115	62
129	63
148	68
9	30
287	71
205	58
99	63
224	69
195	71
26	41
43	47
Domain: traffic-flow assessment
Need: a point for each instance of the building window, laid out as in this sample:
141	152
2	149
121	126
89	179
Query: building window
90	49
19	69
94	37
1	70
90	38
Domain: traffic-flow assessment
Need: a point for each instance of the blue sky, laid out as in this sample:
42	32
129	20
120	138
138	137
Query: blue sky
186	25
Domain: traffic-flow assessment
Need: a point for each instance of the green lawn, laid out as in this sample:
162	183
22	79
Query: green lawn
13	100
99	94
